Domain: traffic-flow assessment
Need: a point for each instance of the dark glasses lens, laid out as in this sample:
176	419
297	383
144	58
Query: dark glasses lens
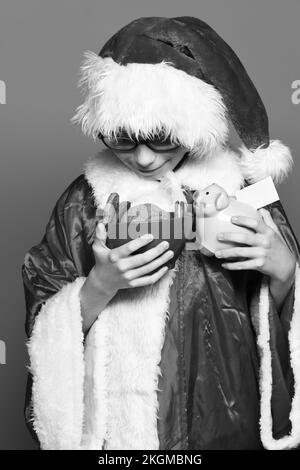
124	143
162	144
119	143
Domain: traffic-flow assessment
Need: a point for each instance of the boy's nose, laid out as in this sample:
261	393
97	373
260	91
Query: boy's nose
144	156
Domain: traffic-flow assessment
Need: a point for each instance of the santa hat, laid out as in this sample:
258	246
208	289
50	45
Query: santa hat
179	75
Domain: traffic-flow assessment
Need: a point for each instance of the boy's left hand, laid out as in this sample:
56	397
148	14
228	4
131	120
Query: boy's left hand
265	250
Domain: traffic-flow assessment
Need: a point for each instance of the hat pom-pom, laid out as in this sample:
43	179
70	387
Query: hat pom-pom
275	161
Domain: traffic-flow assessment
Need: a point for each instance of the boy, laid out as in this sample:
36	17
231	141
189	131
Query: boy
195	357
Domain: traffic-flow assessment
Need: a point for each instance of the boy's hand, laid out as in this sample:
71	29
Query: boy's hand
117	269
265	250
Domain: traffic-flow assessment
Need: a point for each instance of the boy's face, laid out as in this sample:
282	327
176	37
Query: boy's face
153	160
148	163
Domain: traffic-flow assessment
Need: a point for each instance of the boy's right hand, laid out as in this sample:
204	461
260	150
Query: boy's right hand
117	269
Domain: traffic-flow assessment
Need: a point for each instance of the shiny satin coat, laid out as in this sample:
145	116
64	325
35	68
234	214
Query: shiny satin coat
209	388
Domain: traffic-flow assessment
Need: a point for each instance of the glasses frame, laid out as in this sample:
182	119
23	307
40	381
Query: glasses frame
146	142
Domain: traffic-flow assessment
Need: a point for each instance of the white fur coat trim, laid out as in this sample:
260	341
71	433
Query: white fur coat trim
122	356
102	395
107	174
56	363
144	98
266	421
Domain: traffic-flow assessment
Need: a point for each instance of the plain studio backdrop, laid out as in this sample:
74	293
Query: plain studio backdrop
41	48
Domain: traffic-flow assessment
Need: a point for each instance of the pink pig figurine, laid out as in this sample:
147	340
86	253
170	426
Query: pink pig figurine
214	209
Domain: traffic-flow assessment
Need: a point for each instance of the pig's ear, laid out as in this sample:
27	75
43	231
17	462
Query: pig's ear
222	201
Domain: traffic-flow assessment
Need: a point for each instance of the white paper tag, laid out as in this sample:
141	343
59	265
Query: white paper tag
258	194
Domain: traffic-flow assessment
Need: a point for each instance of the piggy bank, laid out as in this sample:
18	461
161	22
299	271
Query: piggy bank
214	209
125	222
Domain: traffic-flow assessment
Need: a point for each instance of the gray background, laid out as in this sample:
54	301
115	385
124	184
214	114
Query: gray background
41	48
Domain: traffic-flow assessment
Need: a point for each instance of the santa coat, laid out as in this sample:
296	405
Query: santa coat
202	359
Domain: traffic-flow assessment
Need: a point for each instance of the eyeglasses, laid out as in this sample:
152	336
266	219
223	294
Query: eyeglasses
124	143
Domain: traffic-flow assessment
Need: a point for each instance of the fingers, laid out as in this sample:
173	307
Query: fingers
256	264
258	226
270	222
238	237
241	252
135	261
100	236
130	247
111	208
148	268
251	239
148	280
101	251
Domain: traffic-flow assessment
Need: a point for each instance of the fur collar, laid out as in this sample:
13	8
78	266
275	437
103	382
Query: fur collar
107	174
